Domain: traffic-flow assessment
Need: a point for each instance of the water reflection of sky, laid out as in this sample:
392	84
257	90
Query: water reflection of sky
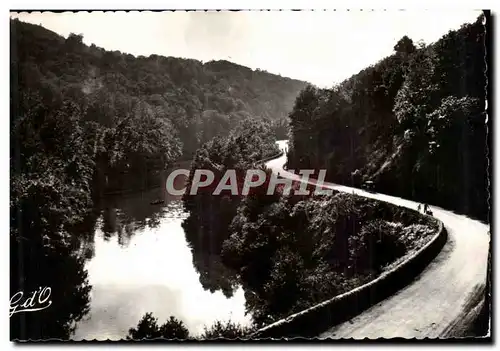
152	272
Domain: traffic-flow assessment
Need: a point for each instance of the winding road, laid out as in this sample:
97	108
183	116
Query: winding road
441	299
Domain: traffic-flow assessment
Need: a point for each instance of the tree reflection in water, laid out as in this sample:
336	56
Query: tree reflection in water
125	215
61	266
206	245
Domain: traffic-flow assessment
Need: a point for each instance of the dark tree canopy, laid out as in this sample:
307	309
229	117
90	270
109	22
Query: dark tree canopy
148	328
405	45
413	123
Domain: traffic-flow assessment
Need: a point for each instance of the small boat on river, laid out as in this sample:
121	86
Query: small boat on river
157	202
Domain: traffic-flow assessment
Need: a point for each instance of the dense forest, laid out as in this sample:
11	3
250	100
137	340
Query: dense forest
143	111
82	117
414	123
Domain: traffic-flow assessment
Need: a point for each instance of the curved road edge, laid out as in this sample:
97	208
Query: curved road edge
344	306
437	300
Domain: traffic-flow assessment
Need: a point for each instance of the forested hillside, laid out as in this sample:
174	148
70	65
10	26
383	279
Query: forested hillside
193	101
414	123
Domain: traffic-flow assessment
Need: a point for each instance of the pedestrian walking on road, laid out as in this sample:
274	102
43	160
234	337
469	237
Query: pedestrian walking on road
419	207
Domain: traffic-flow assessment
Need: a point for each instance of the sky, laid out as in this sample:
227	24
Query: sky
320	47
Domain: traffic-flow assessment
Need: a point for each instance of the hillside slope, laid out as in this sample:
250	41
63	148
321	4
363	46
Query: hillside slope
414	123
200	100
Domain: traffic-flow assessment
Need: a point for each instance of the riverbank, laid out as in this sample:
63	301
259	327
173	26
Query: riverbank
125	184
139	260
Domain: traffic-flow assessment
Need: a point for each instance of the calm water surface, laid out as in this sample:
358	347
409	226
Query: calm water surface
140	261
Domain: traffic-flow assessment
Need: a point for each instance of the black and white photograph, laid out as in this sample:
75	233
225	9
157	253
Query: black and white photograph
250	175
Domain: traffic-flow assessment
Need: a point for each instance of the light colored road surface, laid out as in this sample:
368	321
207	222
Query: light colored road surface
440	297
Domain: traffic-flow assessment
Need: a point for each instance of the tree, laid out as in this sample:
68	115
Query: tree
405	46
74	41
148	329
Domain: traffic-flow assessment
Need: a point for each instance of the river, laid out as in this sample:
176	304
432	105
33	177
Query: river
139	261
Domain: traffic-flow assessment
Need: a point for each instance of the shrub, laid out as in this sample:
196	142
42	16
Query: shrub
148	329
228	330
376	245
